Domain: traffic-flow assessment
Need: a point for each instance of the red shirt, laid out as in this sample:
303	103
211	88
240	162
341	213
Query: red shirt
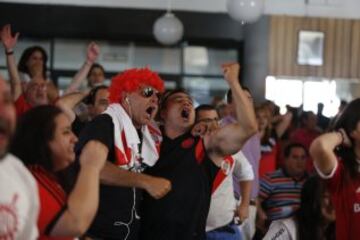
305	137
52	202
345	193
21	105
268	162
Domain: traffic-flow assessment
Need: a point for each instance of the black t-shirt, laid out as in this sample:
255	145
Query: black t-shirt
182	213
117	215
77	125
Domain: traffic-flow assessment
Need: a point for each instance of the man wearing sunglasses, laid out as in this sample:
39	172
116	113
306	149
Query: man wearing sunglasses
129	147
191	163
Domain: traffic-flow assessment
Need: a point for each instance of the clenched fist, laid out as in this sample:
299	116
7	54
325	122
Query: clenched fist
157	187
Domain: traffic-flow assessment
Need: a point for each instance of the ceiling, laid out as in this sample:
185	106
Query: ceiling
320	8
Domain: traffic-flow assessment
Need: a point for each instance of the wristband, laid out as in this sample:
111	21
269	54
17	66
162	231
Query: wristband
9	51
88	62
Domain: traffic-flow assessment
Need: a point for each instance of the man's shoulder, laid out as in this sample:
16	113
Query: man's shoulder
13	167
239	156
101	128
100	122
12	161
279	173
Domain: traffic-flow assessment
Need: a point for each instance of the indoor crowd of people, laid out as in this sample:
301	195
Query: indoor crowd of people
136	161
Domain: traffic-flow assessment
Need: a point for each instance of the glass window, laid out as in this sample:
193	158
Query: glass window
71	55
115	57
4	74
22	45
321	92
294	92
207	61
203	90
197	68
64	82
164	60
170	85
275	92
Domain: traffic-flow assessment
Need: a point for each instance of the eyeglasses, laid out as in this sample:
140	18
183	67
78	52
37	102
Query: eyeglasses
209	120
148	92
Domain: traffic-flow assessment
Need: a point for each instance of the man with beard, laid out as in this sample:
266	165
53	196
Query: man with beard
19	203
130	147
191	163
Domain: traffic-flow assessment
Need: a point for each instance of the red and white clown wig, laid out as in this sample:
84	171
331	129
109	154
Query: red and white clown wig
131	80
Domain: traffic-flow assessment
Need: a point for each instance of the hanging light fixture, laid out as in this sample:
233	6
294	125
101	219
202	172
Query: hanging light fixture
245	11
168	29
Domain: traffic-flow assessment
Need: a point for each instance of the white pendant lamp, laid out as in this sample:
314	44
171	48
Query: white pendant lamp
168	29
245	11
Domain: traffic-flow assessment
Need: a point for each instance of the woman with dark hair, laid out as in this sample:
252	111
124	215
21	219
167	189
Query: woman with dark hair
45	143
30	83
314	219
96	75
33	63
341	169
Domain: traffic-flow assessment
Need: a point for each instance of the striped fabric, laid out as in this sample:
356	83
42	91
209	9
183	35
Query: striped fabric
280	194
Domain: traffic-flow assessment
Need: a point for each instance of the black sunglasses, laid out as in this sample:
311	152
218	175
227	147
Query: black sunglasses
148	92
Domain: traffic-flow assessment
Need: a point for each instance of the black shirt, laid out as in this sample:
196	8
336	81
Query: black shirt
182	213
117	215
77	126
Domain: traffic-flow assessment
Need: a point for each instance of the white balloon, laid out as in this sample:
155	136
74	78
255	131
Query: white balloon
168	29
248	11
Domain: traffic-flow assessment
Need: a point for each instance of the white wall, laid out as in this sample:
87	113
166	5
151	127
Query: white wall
318	8
187	5
321	8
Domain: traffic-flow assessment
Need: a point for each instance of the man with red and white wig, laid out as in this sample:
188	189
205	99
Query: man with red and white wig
124	129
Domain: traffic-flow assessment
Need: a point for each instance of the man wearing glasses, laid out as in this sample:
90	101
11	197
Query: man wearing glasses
224	213
124	129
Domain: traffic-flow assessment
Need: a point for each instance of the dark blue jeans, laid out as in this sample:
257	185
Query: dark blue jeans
228	232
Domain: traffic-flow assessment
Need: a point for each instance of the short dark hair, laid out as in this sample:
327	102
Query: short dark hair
203	107
90	98
165	96
290	146
35	130
229	98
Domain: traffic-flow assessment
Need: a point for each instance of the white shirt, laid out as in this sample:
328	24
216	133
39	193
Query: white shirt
283	229
223	202
19	201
